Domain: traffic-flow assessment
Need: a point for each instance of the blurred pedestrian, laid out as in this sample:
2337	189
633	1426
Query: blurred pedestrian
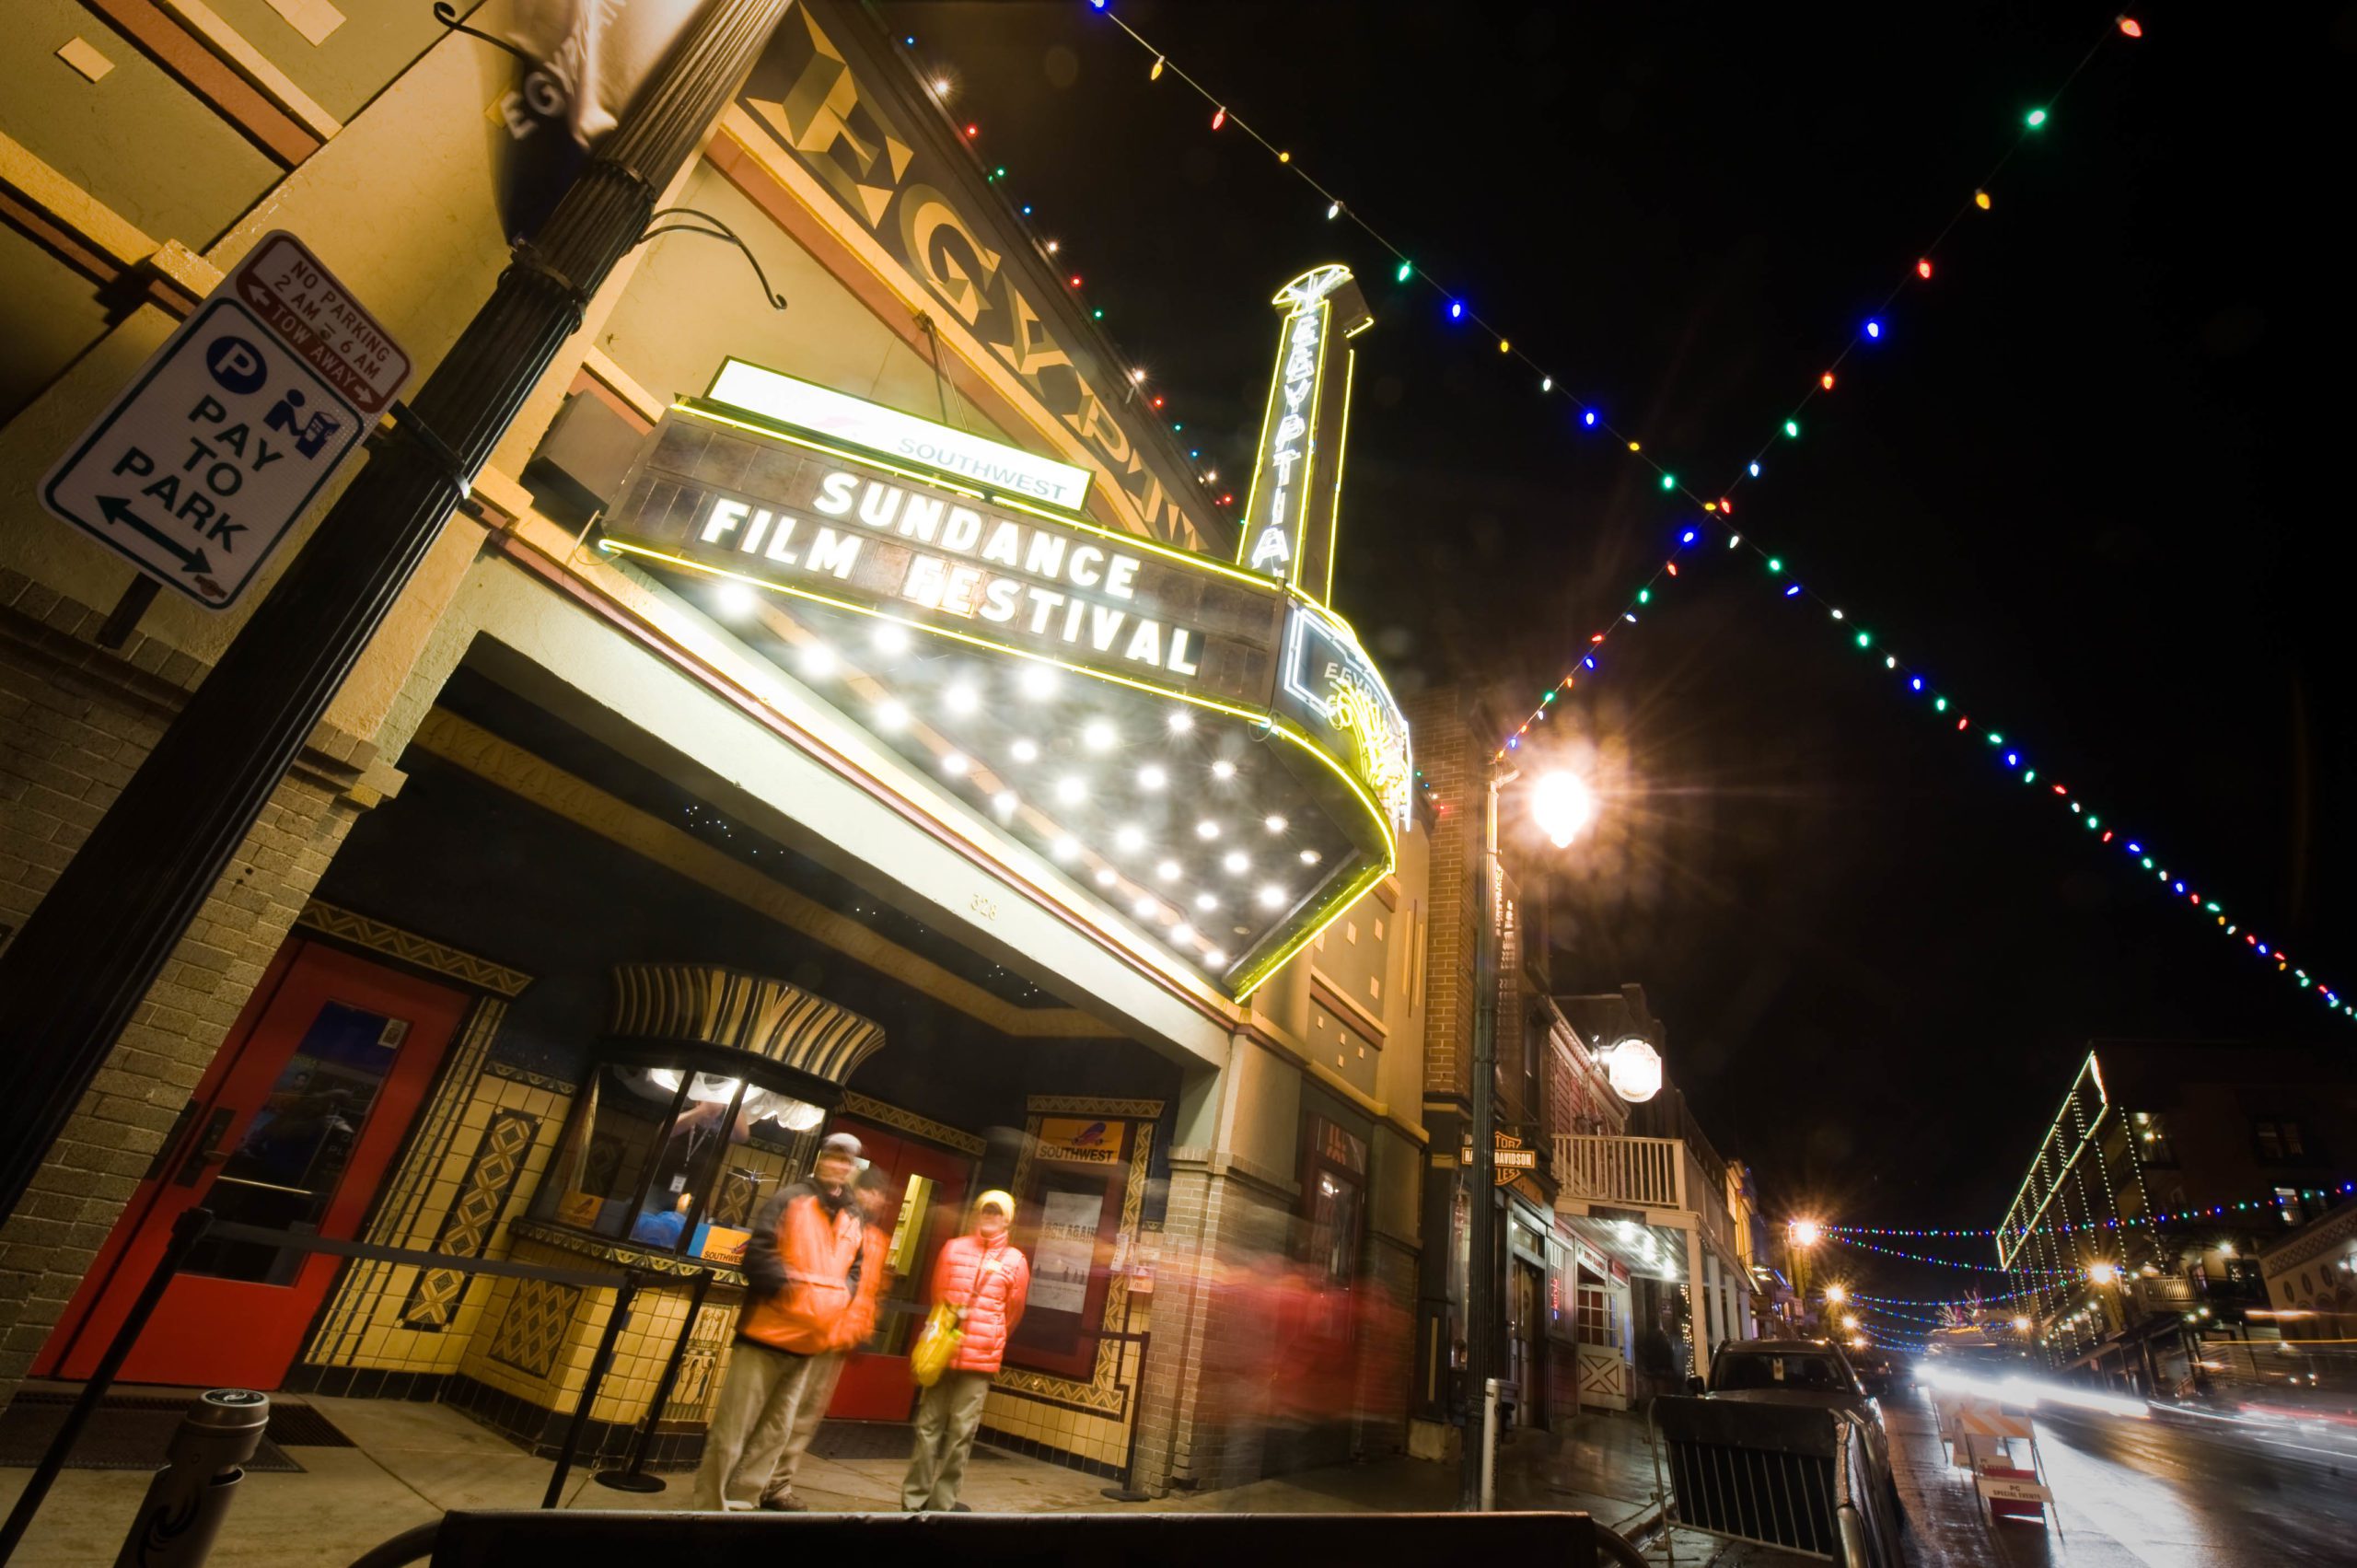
984	1279
803	1268
873	1192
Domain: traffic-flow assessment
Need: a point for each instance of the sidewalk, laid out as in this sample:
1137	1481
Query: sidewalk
413	1462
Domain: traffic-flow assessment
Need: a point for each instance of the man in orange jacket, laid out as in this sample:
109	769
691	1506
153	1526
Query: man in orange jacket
873	1192
805	1268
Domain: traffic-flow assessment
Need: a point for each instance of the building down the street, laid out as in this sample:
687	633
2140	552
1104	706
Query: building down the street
839	707
2172	1171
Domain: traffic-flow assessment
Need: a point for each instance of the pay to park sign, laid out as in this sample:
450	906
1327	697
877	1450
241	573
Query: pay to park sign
199	467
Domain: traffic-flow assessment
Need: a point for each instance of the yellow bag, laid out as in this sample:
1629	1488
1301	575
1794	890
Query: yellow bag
937	1343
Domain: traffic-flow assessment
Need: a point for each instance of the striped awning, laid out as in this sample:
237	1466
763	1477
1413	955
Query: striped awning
713	1005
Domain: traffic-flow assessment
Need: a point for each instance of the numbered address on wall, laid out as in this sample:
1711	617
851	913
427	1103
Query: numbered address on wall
199	468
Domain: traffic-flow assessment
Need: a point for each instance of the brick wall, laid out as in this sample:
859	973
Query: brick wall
1447	754
74	721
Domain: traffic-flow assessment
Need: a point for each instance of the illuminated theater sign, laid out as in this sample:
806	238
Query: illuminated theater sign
1205	749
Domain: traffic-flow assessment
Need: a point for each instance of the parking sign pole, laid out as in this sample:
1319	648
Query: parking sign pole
100	938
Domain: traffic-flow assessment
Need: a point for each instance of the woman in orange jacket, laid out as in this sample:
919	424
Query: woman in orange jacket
986	1280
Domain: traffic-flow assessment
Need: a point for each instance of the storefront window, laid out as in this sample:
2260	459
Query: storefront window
1336	1189
675	1159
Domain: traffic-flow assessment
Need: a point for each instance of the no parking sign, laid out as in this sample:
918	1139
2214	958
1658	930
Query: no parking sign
200	466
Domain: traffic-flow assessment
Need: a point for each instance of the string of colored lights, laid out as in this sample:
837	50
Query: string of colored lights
1943	1300
2214	1211
1591	417
1947	1262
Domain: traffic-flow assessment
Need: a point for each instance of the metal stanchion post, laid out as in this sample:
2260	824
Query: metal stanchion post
187	1231
1489	1444
634	1477
624	1292
190	1495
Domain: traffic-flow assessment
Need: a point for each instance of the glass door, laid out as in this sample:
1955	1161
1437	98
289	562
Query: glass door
291	1129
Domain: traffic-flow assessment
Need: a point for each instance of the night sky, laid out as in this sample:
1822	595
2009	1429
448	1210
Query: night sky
2089	482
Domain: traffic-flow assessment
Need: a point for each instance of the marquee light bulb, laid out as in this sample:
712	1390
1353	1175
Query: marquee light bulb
1310	857
1071	789
1067	848
1213	958
1004	802
1272	897
1098	735
953	764
1182	933
1181	721
1145	909
1025	750
963	699
1104	877
1223	769
891	716
1137	374
1274	823
1205	902
1235	862
1167	871
1207	829
891	639
1037	681
818	661
1130	837
1151	776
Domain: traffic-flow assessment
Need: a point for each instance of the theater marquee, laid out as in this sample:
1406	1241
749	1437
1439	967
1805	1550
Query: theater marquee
1207	751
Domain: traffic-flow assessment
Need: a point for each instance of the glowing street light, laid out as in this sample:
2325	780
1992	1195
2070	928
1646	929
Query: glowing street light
1561	804
1849	1320
2021	1325
1835	1292
2103	1273
1806	1233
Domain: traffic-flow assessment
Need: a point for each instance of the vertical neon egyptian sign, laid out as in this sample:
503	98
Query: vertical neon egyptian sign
1291	513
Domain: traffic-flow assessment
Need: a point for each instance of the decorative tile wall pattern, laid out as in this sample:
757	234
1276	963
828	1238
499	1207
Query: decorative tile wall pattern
467	1229
532	1331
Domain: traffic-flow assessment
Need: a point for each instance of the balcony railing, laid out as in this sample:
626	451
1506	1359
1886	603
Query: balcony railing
1648	1172
1645	1173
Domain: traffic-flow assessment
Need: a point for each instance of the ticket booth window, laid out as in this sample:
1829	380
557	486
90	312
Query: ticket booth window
677	1158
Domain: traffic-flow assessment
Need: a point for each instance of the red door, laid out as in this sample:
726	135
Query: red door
292	1128
929	1190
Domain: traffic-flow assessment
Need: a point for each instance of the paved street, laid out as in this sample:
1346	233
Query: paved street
2161	1493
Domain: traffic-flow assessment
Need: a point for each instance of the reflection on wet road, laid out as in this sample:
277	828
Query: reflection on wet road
2166	1492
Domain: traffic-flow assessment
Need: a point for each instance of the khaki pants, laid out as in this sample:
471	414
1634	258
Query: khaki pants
947	1417
754	1421
809	1410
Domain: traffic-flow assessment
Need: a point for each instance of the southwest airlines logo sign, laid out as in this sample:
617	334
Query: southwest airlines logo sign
855	422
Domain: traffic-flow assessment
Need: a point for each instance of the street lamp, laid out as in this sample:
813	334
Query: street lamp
1837	1293
1562	805
1806	1233
1849	1320
2103	1273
